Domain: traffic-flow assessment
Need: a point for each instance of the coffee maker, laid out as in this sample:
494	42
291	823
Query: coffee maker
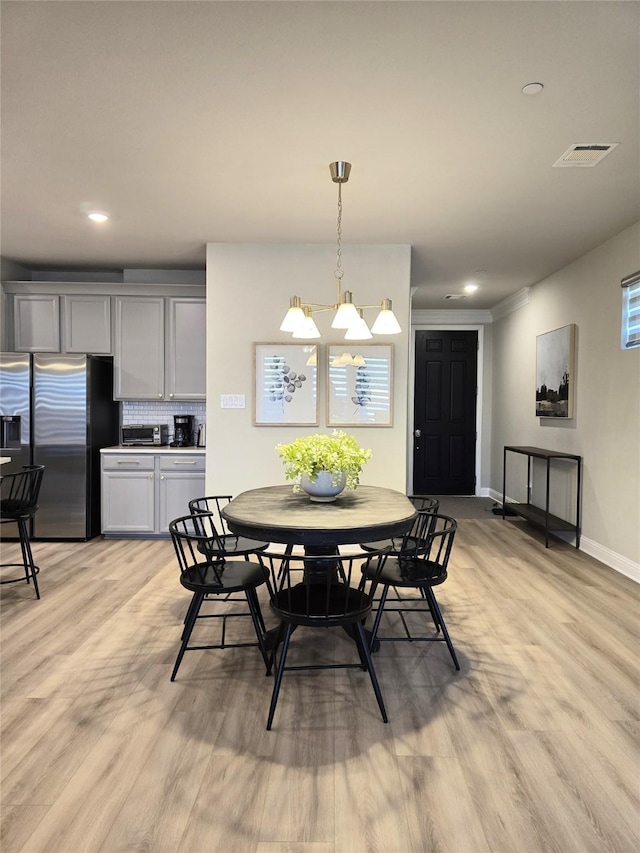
183	428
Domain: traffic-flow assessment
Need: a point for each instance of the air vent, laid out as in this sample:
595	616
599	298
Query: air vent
586	154
455	296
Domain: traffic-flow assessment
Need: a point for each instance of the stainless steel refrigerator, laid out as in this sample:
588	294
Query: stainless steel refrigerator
58	411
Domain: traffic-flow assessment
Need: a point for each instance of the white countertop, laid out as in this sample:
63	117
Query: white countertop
154	450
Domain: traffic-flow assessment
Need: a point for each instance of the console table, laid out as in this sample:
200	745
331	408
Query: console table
534	514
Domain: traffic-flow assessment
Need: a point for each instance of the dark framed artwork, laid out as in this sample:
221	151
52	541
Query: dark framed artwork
555	373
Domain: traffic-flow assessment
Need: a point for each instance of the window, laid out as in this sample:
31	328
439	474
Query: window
631	311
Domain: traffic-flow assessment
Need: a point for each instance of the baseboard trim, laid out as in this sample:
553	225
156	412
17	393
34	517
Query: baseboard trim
599	552
611	558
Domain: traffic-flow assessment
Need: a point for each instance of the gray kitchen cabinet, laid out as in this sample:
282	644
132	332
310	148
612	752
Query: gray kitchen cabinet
181	479
128	494
87	324
139	348
160	348
143	492
36	322
186	349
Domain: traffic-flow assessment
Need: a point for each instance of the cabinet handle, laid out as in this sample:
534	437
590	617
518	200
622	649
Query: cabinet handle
151	476
160	396
186	462
128	461
162	476
171	395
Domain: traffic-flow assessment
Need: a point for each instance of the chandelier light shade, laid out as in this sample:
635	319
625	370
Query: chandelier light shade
306	328
358	331
348	316
347	313
294	316
386	322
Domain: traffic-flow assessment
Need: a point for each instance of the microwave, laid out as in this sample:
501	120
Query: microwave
143	435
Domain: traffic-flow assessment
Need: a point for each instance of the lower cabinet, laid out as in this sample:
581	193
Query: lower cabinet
181	480
142	493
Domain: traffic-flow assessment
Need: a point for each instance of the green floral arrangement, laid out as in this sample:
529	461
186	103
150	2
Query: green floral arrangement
336	453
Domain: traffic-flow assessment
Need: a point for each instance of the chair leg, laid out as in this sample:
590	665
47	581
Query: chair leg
27	556
436	608
192	615
275	639
433	615
187	617
372	673
263	627
376	623
279	672
258	623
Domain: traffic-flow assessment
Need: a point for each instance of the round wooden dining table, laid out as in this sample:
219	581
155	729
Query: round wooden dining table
278	514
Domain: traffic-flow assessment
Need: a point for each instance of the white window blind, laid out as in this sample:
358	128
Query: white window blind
631	311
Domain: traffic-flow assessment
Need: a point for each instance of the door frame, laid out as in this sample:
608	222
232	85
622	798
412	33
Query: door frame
447	327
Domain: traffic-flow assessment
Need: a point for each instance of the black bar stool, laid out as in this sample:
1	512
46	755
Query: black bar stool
19	503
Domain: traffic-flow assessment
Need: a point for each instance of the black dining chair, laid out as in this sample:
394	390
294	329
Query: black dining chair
421	564
423	504
19	494
420	502
325	591
227	543
207	574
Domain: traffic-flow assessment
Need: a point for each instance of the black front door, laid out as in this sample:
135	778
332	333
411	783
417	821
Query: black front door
444	419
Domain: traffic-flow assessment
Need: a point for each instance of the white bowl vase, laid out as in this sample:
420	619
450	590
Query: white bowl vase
323	489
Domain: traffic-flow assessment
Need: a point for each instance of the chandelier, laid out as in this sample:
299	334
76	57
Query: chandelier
348	316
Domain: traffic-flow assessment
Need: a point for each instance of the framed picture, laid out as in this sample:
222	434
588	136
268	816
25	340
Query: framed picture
555	373
286	384
360	385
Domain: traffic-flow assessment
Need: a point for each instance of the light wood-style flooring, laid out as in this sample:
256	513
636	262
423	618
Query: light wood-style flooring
533	746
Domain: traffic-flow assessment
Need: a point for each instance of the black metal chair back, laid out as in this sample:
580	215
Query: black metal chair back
423	504
227	543
426	547
206	525
207	574
421	564
321	592
213	504
19	494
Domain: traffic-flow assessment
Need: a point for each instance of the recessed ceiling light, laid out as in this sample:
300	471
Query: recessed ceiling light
97	217
532	89
470	288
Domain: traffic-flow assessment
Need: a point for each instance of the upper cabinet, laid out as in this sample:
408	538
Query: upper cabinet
160	348
156	332
85	326
36	322
186	349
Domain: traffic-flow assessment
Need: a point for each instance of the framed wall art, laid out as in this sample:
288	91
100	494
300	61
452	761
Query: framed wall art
286	384
360	385
555	373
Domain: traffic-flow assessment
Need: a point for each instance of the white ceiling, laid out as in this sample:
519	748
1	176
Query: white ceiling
196	122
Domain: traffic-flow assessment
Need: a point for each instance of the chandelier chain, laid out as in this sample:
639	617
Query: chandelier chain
338	270
348	315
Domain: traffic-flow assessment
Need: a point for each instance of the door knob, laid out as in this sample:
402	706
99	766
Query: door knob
417	433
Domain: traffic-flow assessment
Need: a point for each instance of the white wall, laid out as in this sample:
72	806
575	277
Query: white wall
248	290
605	429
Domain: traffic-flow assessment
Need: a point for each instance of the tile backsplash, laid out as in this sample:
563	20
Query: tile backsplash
147	412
